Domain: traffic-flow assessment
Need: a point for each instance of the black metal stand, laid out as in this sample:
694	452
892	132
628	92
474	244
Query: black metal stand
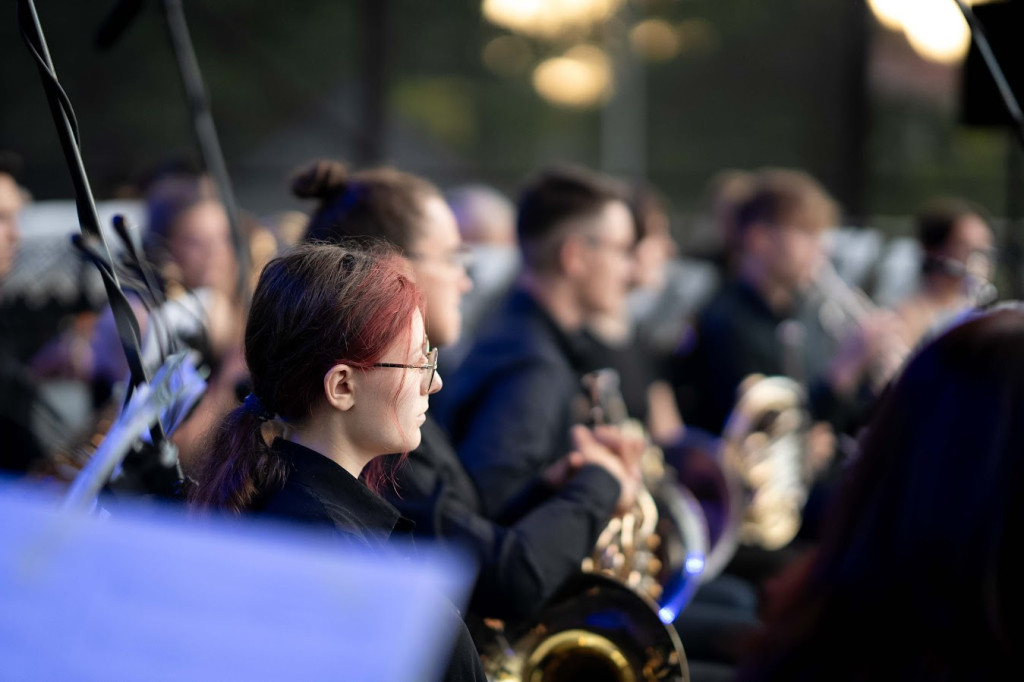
1017	120
205	130
91	239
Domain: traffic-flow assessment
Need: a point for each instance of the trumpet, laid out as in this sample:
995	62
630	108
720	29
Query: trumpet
845	309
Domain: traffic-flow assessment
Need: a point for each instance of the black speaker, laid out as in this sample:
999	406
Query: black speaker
981	103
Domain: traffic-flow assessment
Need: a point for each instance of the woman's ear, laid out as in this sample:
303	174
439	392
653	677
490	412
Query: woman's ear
339	387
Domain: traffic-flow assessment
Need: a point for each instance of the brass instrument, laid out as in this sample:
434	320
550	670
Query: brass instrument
595	629
606	622
663	538
764	455
764	449
843	309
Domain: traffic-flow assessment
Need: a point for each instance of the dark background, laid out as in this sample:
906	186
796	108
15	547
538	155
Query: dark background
817	84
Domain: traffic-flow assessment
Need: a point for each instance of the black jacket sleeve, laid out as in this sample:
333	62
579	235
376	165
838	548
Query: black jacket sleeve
517	427
521	564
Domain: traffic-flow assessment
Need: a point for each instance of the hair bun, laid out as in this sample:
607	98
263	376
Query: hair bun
320	179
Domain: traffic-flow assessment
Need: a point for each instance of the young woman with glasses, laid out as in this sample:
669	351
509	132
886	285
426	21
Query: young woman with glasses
338	356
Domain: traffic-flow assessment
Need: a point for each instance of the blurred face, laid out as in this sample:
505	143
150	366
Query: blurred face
972	244
200	246
438	261
652	254
392	401
795	254
608	272
10	206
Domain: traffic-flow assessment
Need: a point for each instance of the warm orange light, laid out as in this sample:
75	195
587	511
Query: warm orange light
549	18
936	29
655	40
889	13
581	78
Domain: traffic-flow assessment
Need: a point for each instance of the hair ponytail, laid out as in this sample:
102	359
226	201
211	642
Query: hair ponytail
242	468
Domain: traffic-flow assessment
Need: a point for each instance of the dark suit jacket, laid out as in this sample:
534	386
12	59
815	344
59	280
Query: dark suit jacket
509	406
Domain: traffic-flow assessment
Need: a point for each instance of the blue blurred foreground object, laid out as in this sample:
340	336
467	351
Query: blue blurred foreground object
150	594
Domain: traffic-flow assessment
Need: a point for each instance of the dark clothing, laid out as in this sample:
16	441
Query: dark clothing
320	492
737	334
523	563
510	405
635	362
30	428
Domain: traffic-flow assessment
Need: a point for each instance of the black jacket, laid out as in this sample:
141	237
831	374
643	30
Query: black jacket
318	491
522	563
509	406
738	334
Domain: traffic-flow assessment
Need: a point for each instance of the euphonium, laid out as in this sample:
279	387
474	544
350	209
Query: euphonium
595	629
662	539
613	620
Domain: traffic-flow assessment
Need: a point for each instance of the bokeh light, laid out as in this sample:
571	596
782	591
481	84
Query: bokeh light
655	40
507	55
579	79
936	29
549	19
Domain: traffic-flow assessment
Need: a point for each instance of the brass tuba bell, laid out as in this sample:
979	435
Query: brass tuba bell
594	628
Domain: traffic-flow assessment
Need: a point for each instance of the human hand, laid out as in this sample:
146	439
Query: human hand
821	447
876	346
617	453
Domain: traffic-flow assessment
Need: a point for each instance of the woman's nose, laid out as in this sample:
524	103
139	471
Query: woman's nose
436	384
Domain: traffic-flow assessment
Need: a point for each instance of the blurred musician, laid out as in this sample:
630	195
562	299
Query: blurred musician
958	251
763	321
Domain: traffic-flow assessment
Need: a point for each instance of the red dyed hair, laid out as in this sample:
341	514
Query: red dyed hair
314	307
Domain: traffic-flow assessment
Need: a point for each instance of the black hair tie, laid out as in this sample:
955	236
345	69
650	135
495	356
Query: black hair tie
254	407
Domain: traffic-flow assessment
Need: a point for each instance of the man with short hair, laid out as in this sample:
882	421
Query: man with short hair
511	404
764	320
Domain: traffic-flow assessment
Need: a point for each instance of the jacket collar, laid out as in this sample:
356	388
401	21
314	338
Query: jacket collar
333	484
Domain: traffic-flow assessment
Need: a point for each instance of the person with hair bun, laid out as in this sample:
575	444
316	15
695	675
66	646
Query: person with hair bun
337	353
556	517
